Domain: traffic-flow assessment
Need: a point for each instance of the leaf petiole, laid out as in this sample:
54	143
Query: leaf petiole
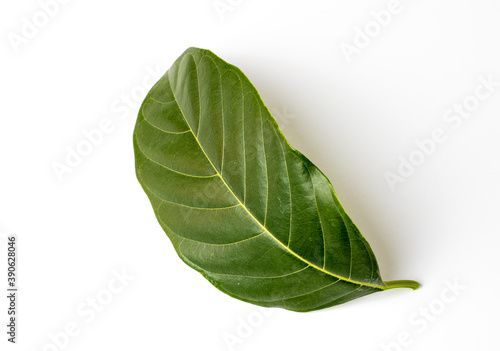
402	284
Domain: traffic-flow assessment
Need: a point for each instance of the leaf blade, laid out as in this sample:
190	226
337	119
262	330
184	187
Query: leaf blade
282	226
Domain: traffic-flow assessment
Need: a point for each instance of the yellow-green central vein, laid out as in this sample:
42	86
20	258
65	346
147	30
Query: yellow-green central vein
257	221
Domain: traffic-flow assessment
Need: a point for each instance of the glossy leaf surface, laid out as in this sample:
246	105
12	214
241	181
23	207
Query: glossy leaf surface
240	205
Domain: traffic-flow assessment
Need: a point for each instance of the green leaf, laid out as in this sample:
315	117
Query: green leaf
241	206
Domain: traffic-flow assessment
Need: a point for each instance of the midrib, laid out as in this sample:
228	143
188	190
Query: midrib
286	248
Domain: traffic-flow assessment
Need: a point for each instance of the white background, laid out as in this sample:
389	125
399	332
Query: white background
355	116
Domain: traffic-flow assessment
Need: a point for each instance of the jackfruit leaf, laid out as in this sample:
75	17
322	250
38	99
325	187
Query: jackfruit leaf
241	206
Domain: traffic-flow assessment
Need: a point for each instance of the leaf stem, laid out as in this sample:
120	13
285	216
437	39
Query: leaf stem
401	284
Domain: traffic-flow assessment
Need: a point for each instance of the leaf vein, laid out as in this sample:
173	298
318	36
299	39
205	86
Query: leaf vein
173	170
287	249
